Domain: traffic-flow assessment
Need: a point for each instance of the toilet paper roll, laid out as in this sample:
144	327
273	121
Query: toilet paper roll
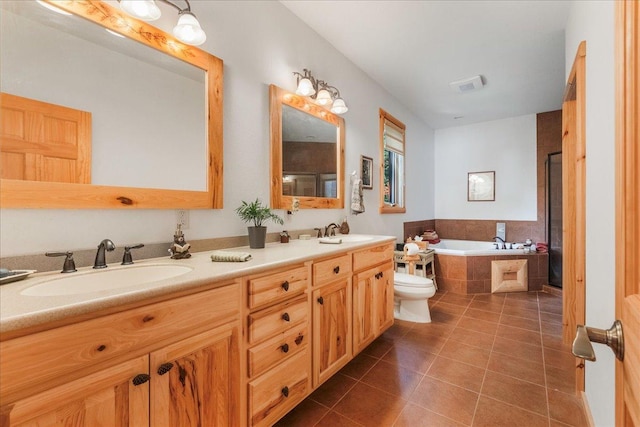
412	249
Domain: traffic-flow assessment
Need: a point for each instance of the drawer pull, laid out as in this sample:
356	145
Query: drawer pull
284	348
336	269
140	379
299	339
164	368
321	300
285	391
286	317
285	285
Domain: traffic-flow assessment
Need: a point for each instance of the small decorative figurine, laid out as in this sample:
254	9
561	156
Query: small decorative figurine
180	248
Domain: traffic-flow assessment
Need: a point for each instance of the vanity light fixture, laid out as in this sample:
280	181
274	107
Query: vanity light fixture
187	30
320	91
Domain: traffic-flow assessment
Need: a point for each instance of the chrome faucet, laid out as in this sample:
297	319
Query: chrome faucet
504	244
330	230
105	245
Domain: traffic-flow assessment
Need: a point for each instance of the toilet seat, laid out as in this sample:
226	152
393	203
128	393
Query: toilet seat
412	281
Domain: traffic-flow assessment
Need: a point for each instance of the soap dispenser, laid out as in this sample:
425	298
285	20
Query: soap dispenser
344	228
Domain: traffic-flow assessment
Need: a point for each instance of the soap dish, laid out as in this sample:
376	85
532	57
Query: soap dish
14	276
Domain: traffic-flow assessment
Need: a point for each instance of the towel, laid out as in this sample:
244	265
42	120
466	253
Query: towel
226	256
357	200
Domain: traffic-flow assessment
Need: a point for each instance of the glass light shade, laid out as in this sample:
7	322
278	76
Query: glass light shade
305	87
339	107
145	10
188	29
324	97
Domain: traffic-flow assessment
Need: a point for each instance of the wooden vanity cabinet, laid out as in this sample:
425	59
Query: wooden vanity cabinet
278	345
372	294
331	307
166	364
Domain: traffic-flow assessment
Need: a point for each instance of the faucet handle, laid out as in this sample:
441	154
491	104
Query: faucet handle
69	264
319	232
126	258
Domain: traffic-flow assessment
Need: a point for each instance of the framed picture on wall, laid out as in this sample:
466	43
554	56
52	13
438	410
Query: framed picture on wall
481	186
366	172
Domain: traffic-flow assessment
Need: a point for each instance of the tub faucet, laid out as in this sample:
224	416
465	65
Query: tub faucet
105	245
504	244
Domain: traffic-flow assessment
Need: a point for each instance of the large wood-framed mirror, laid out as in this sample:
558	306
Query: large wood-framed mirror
155	110
307	153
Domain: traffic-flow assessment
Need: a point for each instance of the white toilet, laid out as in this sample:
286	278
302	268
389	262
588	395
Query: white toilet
410	295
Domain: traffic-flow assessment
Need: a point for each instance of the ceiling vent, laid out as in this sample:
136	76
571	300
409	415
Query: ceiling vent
467	85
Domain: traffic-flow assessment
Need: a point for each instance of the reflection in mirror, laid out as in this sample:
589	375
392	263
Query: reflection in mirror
307	153
309	145
151	109
392	144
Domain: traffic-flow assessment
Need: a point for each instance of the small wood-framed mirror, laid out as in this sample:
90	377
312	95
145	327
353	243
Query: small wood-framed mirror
307	153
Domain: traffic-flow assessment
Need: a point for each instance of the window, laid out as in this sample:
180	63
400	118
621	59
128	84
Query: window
392	134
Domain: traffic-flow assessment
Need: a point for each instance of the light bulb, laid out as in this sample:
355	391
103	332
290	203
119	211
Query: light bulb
339	107
324	97
145	10
188	29
305	87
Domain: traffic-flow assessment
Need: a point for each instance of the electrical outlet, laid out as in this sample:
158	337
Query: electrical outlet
182	218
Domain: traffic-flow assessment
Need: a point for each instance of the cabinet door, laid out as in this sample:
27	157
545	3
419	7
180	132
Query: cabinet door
383	300
106	398
364	285
331	329
196	381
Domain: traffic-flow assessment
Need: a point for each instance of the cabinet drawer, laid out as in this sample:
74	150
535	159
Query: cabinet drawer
278	286
73	351
279	348
331	269
272	395
266	323
372	256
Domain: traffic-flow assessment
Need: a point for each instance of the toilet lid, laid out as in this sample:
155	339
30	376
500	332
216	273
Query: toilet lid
411	280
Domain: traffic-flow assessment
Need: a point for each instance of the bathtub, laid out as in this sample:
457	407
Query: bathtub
473	248
465	266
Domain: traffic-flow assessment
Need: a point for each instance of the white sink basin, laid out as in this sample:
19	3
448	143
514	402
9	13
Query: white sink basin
104	280
352	238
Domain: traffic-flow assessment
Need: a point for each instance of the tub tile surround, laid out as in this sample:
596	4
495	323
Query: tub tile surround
470	367
472	275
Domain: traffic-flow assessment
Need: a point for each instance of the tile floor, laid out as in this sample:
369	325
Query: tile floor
485	360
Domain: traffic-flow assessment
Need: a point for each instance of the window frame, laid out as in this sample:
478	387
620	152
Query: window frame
385	207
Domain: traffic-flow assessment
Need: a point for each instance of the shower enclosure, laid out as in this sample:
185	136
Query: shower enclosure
554	216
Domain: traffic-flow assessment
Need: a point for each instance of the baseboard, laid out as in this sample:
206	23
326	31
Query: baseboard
552	290
587	410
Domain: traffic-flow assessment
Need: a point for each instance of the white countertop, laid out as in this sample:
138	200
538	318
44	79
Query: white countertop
18	311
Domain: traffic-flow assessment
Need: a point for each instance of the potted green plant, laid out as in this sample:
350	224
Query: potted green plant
257	213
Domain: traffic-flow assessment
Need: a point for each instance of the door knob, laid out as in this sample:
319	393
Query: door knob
585	335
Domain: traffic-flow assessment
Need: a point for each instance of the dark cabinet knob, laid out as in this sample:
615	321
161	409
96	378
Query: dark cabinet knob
299	339
140	379
164	368
286	317
336	269
285	391
321	300
285	286
284	348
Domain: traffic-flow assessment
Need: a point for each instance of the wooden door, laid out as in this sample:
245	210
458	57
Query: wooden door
363	306
331	329
383	300
628	209
105	398
44	142
196	381
573	204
